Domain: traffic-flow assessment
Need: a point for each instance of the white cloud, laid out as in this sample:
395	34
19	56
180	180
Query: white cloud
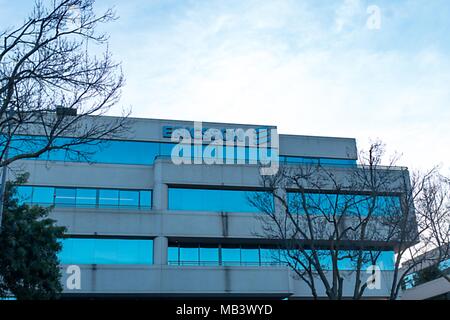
347	12
282	63
309	67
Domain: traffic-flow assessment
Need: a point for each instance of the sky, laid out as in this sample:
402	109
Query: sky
376	69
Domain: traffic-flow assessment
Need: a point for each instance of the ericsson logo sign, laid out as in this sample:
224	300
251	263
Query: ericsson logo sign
236	134
199	145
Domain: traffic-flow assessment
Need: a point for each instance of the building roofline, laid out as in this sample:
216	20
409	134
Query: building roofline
233	124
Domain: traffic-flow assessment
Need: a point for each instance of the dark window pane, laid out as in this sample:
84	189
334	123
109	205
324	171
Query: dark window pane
129	198
65	196
86	197
108	198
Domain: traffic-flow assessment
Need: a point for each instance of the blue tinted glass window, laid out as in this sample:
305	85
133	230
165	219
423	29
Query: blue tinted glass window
127	152
409	281
301	160
100	151
145	199
108	198
270	256
209	256
211	200
347	259
124	152
77	251
235	201
317	161
106	251
108	151
166	149
172	255
43	195
444	264
23	144
189	255
285	257
388	205
262	256
129	198
86	197
327	204
65	196
386	260
24	194
337	162
231	256
250	256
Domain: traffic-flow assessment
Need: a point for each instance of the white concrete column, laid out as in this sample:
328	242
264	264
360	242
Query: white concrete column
160	189
160	247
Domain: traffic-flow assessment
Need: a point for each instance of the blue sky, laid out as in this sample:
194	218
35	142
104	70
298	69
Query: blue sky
309	67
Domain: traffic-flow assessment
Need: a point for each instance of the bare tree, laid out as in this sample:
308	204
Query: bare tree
56	77
431	198
51	86
328	219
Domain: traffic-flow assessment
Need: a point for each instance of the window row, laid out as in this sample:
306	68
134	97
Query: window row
427	274
223	200
318	161
343	204
106	251
140	251
213	200
206	255
145	152
85	197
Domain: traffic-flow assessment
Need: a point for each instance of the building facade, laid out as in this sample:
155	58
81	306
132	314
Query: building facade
427	280
140	225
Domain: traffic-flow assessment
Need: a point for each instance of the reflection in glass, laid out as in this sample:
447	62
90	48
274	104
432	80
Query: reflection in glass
65	196
106	251
212	200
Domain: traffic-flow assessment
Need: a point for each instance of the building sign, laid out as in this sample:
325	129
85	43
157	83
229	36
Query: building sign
262	133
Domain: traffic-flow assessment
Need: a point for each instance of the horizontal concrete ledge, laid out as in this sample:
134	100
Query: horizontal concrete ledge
427	290
164	279
172	224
